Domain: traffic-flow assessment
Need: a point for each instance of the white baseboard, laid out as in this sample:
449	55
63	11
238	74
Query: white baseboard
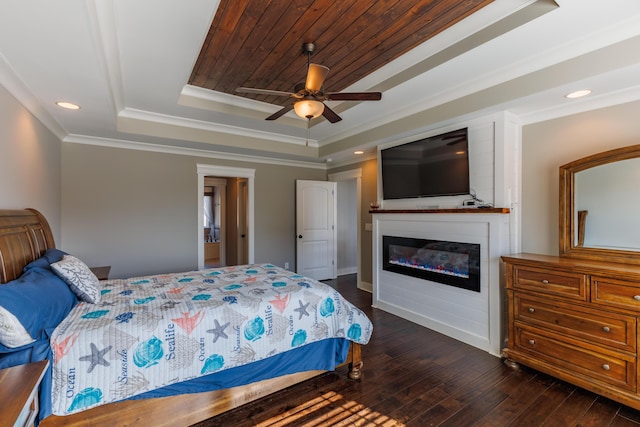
365	286
347	270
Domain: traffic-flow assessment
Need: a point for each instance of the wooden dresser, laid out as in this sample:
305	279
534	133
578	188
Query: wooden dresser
576	320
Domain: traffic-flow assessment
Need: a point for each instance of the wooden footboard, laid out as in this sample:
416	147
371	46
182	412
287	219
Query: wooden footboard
187	409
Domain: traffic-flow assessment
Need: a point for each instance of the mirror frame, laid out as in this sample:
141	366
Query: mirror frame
567	226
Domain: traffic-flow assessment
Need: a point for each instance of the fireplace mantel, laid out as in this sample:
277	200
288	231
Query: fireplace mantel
443	211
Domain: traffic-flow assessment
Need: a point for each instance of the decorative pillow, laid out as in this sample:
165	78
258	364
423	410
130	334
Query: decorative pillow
38	300
12	333
79	277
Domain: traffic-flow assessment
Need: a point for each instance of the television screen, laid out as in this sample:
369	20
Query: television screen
434	166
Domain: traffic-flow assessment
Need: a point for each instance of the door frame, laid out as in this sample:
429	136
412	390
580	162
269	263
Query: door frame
346	176
227	172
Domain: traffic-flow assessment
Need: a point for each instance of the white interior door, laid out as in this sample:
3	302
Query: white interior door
315	229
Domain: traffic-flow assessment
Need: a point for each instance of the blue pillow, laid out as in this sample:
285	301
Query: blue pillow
48	258
38	299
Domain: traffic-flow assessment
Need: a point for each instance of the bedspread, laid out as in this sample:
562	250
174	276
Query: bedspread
153	331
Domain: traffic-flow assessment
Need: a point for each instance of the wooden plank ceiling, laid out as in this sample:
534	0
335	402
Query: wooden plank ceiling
258	43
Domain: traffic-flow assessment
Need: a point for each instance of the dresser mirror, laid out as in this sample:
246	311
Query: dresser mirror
599	213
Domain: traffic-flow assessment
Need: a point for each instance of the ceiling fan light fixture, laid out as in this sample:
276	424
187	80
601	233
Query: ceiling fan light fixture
308	108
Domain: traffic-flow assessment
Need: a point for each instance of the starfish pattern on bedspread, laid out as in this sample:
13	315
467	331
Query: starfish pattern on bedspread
96	357
302	309
218	331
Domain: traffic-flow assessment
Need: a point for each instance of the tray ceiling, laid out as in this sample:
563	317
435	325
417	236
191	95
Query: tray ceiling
253	45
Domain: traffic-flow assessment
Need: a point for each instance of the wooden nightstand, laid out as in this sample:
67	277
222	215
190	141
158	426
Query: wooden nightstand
102	273
19	393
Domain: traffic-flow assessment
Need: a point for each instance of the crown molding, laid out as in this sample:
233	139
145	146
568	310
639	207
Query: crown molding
21	92
182	151
175	121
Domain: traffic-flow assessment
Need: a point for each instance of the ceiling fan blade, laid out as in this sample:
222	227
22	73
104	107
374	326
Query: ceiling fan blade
315	77
284	110
354	96
263	91
331	115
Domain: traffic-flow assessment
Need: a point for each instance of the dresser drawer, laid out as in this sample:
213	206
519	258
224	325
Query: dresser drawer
598	326
569	285
615	293
617	369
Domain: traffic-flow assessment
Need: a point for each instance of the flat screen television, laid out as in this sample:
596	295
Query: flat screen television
429	167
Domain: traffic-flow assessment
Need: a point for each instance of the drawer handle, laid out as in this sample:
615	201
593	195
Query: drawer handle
636	297
532	310
532	342
546	282
606	367
606	329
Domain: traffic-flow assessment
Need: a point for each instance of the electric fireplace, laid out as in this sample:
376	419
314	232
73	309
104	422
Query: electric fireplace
451	263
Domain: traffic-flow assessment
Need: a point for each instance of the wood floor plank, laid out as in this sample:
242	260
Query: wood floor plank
522	391
572	409
600	414
540	409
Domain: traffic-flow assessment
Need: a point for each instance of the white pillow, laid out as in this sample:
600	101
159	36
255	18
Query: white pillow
79	277
12	333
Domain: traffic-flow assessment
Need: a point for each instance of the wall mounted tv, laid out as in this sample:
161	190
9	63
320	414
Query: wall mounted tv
429	167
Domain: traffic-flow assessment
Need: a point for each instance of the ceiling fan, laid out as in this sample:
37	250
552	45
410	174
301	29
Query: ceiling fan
308	97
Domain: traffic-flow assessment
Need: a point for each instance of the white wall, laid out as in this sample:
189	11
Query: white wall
548	145
29	163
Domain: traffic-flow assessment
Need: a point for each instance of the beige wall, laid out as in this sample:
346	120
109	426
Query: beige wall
548	145
137	211
29	162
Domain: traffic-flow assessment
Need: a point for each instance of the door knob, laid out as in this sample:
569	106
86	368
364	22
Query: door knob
299	236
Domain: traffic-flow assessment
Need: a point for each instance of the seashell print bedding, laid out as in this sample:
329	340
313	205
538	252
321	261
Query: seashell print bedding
152	331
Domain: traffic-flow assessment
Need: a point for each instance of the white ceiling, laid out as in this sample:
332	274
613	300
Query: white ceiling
126	63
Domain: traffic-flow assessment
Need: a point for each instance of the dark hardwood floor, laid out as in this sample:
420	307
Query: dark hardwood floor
417	377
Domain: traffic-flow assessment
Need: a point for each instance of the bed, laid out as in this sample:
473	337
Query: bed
231	376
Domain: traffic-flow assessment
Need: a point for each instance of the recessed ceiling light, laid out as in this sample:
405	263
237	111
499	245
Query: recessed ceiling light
68	105
578	93
358	152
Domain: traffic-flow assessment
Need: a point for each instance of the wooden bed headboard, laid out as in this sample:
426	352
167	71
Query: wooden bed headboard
25	235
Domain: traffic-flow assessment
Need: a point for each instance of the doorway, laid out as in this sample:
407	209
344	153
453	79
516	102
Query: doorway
214	221
351	182
243	183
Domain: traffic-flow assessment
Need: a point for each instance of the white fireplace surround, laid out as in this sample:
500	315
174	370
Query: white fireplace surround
469	316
